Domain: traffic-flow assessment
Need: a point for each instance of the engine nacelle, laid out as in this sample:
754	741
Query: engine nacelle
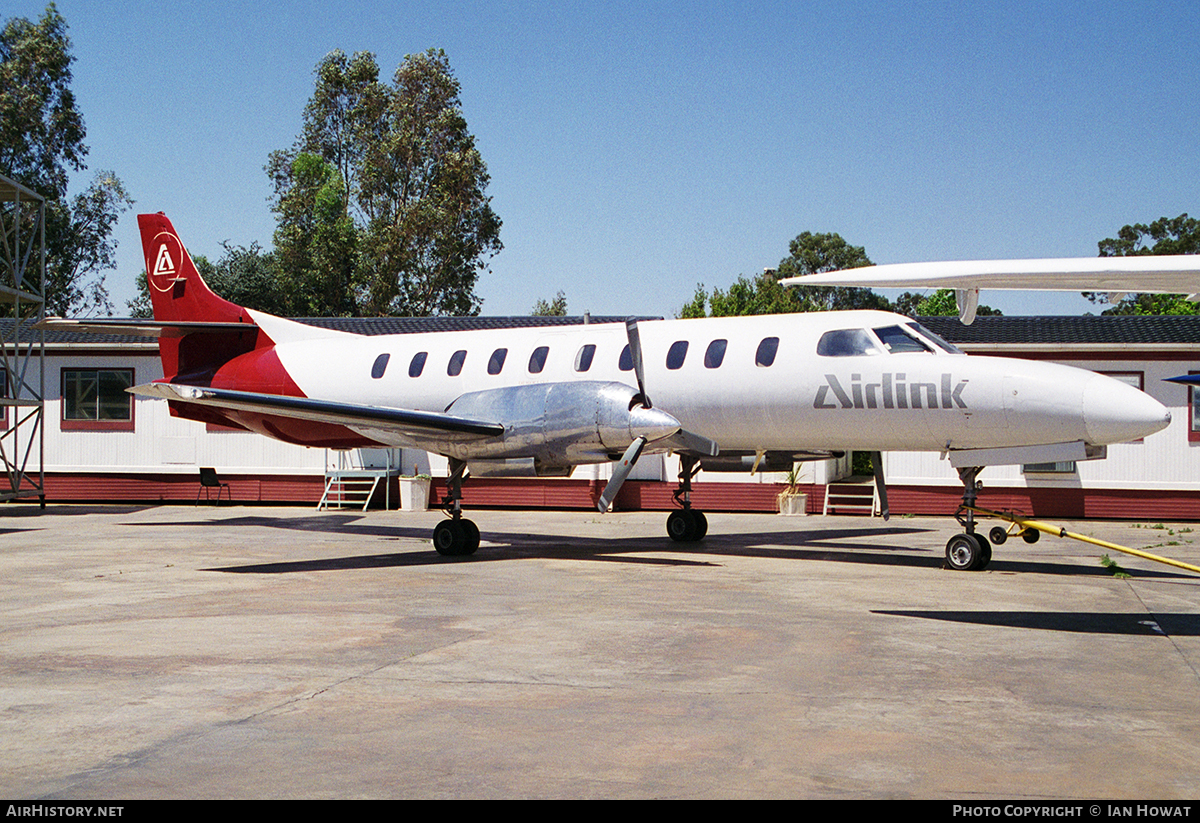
558	425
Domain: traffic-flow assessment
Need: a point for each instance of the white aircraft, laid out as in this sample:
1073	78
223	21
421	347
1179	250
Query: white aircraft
728	393
1156	274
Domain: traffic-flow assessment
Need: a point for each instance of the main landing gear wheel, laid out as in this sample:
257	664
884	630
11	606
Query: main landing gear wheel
687	525
456	538
968	552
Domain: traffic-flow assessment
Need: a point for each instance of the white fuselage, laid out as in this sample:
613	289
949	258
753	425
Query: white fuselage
878	397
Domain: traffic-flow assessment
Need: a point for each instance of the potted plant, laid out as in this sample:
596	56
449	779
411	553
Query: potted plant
791	501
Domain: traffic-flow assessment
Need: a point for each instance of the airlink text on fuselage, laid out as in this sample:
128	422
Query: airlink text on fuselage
892	391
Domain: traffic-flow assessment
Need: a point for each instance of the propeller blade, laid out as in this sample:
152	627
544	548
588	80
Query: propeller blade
880	485
635	353
620	473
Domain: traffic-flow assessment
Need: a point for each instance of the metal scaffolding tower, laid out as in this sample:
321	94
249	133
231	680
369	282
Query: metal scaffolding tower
22	347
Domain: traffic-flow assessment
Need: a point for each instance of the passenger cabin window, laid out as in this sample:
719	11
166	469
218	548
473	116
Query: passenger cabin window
765	356
896	341
496	361
626	361
846	343
676	354
418	364
583	358
380	366
715	354
537	360
456	363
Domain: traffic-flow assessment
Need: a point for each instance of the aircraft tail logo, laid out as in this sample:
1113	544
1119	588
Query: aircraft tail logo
164	271
163	266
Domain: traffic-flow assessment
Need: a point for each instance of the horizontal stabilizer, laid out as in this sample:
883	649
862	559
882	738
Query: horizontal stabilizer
419	424
140	328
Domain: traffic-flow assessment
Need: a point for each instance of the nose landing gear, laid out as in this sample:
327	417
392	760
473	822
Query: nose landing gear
687	525
968	551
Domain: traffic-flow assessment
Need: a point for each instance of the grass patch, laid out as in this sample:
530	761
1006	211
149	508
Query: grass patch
1114	567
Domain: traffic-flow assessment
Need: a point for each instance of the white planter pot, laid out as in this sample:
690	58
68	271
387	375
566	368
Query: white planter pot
794	505
414	494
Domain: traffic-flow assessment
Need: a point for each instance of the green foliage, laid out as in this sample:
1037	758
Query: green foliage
80	247
555	308
814	253
41	131
942	303
381	203
1167	235
809	254
316	241
247	276
1171	235
41	141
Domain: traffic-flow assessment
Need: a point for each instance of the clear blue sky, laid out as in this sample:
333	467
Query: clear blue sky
637	149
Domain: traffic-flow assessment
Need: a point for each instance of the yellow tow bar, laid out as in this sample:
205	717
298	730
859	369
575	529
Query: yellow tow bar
1058	531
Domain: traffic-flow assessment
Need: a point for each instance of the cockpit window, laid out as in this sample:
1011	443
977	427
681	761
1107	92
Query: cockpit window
896	341
846	343
938	341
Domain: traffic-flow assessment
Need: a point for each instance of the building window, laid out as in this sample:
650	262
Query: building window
96	400
1065	467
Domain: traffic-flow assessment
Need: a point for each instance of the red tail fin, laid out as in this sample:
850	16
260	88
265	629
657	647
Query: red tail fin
177	291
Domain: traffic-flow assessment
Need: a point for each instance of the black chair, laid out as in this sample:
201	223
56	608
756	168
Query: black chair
210	481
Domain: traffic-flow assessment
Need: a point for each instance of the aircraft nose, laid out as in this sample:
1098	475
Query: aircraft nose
1115	412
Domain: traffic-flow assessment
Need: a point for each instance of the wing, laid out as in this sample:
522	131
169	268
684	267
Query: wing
1159	274
424	429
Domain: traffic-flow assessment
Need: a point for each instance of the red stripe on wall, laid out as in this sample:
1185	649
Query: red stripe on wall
532	493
